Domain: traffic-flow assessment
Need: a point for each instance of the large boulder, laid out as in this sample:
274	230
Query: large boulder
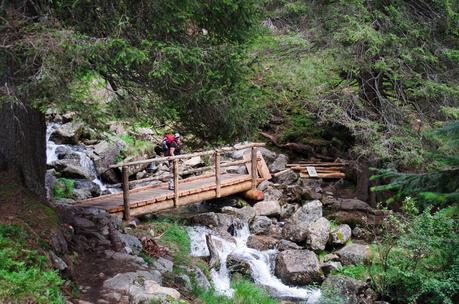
279	164
268	155
70	169
267	208
341	234
105	154
68	133
260	225
295	232
347	288
133	170
194	162
223	222
298	267
317	235
287	245
354	254
308	213
246	214
286	177
92	187
261	242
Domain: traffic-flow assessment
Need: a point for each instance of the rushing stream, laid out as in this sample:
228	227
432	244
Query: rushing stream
261	264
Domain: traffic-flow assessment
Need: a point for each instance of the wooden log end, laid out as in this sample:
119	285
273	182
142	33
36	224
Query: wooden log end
254	195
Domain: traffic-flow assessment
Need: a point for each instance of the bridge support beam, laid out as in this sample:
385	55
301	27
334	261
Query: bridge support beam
254	170
126	210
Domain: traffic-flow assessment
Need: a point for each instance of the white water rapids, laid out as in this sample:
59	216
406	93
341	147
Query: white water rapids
261	264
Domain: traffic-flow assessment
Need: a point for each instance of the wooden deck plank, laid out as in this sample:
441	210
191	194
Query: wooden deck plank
141	198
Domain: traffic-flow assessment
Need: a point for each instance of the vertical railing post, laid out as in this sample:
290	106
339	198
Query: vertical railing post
254	168
176	184
126	210
217	174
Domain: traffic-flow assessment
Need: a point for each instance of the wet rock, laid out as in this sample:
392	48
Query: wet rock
330	266
298	267
348	288
111	176
200	279
246	214
288	177
68	133
209	219
267	208
354	254
163	265
279	163
341	234
287	245
318	233
236	263
261	242
260	225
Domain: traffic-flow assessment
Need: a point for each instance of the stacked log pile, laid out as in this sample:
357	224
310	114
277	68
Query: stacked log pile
327	170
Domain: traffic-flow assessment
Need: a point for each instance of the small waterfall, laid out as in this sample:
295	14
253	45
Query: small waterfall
84	160
261	264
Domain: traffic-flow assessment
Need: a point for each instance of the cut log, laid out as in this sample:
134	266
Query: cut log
254	195
324	175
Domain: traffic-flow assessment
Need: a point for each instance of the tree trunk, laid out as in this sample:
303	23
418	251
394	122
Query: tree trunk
23	144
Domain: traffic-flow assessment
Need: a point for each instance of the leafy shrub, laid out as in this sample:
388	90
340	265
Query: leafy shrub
135	147
24	276
421	266
63	188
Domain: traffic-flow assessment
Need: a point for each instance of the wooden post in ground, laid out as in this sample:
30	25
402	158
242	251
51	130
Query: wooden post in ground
126	214
254	168
176	184
217	174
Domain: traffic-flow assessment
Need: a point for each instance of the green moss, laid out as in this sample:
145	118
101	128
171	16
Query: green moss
63	188
24	275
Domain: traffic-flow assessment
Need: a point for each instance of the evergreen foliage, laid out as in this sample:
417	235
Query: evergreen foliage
440	185
179	60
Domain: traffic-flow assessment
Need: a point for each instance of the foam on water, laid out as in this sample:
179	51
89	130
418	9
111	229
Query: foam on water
261	264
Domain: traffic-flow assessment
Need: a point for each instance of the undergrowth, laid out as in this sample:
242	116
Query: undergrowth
245	292
24	275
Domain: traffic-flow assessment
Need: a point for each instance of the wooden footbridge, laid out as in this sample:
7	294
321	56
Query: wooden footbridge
213	182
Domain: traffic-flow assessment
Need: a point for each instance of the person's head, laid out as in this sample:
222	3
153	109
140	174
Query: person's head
177	137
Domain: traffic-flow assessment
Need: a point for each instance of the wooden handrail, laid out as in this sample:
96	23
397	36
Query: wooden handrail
190	155
175	172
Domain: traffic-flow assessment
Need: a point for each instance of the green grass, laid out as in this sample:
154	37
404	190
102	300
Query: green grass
246	292
175	237
24	275
135	147
358	271
63	188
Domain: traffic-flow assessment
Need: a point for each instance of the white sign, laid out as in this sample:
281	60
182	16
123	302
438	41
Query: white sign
312	171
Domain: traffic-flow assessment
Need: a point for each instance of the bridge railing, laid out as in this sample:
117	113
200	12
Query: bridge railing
216	167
